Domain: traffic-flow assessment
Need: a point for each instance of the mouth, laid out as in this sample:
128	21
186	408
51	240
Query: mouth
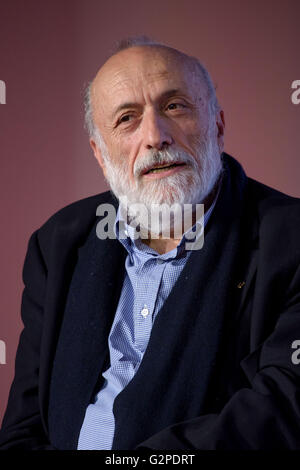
162	168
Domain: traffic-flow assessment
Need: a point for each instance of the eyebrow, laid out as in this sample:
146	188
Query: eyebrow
164	96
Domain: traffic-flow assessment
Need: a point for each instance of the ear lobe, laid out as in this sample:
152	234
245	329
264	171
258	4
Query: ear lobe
221	128
221	123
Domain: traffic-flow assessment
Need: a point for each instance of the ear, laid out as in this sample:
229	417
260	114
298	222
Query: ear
98	155
221	129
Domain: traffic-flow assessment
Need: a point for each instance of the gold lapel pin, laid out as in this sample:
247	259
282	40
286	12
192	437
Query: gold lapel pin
241	284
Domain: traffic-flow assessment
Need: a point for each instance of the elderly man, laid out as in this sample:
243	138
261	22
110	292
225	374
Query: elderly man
139	341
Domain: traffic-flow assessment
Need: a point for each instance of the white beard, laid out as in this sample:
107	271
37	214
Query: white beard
191	185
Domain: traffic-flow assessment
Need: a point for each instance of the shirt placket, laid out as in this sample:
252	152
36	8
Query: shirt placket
147	285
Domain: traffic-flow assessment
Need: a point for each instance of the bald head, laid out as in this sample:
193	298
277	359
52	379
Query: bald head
136	51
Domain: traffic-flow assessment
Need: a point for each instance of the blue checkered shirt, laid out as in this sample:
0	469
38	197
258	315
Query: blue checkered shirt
149	279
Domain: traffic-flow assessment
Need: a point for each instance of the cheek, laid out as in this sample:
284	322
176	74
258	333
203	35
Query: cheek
122	155
189	142
132	151
187	133
115	152
199	133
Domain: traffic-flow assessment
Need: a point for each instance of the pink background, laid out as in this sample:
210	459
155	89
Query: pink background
50	48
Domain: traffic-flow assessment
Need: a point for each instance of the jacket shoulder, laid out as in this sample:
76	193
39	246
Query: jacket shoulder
278	217
269	200
81	209
75	220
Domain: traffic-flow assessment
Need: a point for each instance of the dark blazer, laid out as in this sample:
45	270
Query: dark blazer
219	371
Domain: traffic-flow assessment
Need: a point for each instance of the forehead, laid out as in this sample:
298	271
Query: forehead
137	71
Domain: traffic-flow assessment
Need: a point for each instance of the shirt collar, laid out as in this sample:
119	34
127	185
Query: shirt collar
126	234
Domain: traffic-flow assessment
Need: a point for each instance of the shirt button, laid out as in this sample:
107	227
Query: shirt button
159	261
145	311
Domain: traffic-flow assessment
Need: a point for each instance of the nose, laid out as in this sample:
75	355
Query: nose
156	134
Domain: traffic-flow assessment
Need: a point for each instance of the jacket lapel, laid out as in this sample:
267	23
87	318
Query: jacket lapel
82	344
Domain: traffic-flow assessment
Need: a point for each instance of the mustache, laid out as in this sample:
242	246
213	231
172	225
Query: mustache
157	157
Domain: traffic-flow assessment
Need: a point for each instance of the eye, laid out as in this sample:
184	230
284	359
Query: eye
174	106
125	118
